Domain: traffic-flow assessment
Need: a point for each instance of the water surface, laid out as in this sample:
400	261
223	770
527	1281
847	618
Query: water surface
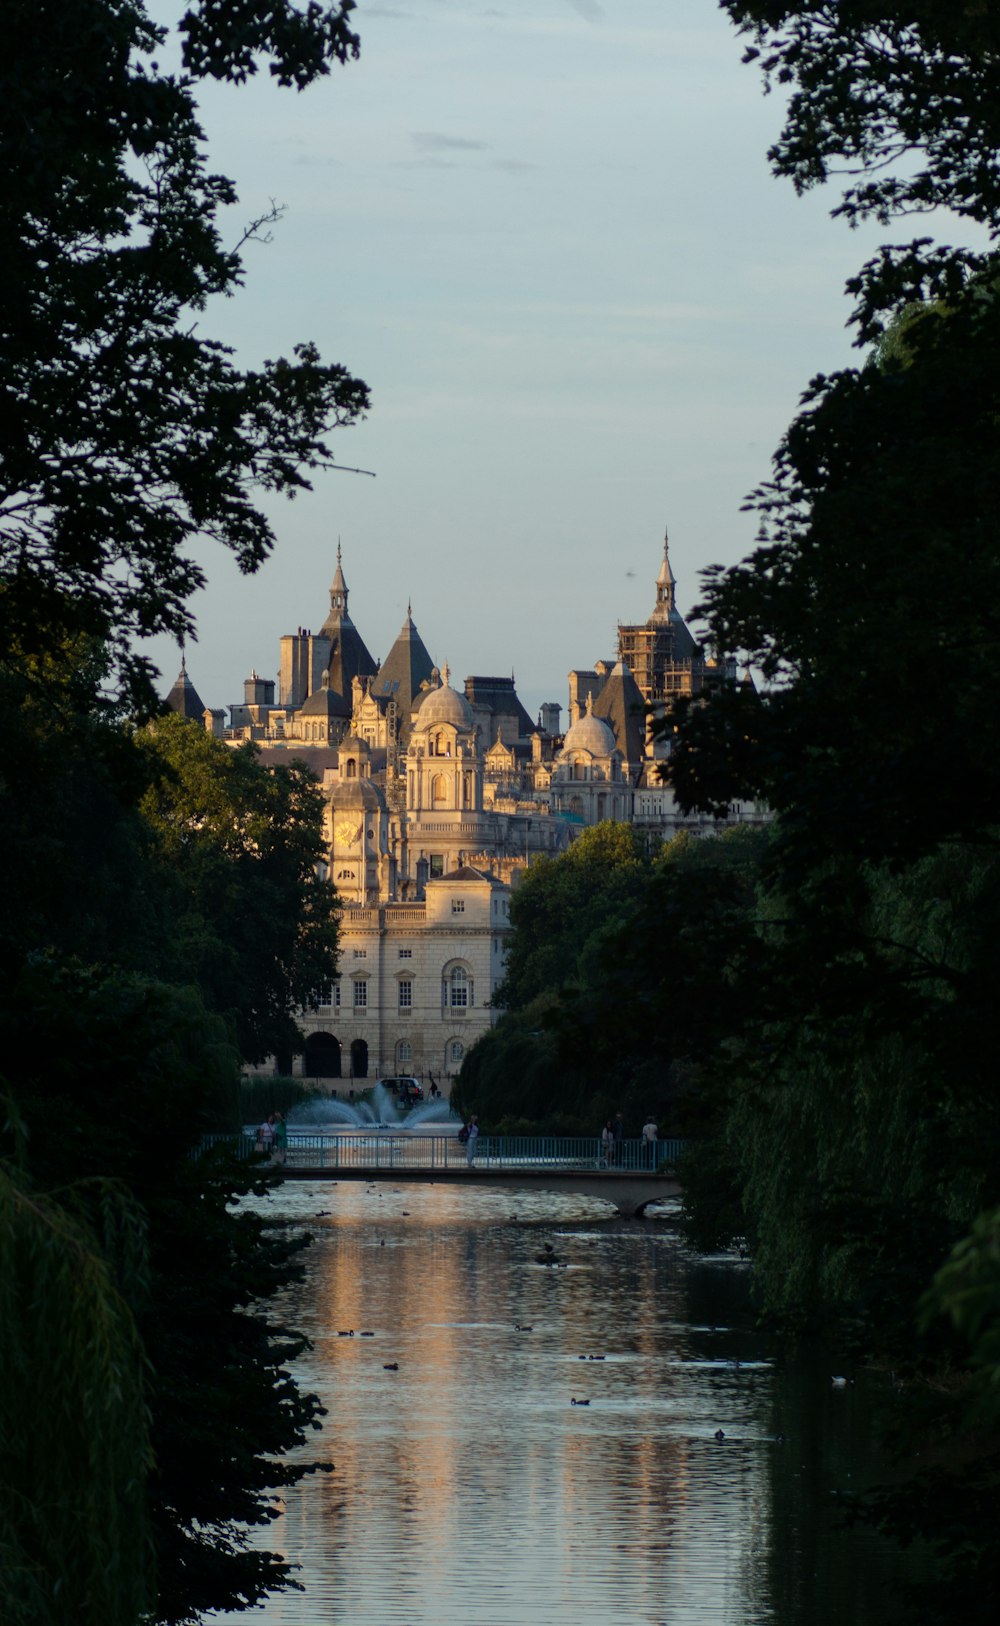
469	1488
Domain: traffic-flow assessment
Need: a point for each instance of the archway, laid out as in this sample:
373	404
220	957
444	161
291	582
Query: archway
322	1056
359	1058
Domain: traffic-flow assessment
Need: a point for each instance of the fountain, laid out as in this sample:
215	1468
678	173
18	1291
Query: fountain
381	1112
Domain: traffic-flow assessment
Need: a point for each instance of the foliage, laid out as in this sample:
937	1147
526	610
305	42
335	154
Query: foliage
148	1412
240	845
559	903
611	967
73	1418
124	431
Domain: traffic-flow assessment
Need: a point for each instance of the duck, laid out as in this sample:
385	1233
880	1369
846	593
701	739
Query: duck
349	1334
519	1328
324	1213
366	1335
579	1402
597	1357
838	1383
391	1366
720	1434
549	1257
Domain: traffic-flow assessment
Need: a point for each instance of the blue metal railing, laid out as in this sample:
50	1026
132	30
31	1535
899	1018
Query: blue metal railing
382	1150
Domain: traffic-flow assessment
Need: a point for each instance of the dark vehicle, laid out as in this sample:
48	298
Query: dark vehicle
406	1089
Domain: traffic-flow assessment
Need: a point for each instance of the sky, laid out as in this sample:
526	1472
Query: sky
546	235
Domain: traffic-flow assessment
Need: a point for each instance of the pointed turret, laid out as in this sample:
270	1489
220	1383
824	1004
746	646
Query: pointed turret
184	697
349	658
666	584
404	669
621	706
338	588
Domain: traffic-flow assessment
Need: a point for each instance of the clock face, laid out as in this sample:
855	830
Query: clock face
348	831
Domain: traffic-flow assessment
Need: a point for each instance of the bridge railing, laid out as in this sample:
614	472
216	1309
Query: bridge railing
381	1150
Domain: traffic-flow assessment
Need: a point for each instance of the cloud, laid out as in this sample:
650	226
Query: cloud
589	10
513	166
434	141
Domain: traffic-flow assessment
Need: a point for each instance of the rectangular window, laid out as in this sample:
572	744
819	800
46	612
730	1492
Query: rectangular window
405	994
336	995
458	906
360	996
361	954
406	954
437	865
325	997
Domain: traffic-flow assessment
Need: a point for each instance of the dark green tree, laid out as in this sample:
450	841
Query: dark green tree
125	431
238	846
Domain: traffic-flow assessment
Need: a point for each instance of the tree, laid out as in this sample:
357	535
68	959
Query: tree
124	432
239	847
161	1399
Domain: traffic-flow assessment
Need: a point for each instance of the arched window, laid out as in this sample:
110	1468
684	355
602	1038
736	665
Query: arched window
439	790
352	768
456	1050
459	988
404	1052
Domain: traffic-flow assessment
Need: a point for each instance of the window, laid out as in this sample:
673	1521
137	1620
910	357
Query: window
336	995
457	1050
361	954
361	995
437	865
405	994
459	989
458	906
406	954
404	1051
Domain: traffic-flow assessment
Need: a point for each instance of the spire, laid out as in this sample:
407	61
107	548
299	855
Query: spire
338	587
665	585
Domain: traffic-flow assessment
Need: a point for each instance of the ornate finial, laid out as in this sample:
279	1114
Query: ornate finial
338	550
409	608
590	705
445	675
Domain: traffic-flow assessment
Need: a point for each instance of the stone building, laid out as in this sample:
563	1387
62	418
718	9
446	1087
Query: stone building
436	800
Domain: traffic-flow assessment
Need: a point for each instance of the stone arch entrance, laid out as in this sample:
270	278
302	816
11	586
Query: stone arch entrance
359	1058
321	1057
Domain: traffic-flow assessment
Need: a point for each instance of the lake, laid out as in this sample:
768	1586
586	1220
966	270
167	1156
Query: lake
545	1450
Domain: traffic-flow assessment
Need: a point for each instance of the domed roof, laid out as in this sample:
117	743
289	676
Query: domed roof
588	733
325	702
356	793
353	744
445	705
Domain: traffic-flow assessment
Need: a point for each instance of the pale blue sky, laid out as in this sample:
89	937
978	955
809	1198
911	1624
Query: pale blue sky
545	233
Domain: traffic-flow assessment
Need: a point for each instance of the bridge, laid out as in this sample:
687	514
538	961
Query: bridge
638	1175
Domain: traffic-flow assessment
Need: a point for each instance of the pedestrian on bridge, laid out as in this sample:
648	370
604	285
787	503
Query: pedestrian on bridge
649	1135
618	1132
471	1139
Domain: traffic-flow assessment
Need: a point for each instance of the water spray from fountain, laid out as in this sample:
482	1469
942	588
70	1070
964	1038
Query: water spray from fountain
380	1112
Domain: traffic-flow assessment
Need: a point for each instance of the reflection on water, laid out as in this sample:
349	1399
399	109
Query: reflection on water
468	1486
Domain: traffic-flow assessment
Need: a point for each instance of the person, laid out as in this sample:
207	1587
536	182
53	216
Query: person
649	1134
280	1152
265	1134
471	1139
618	1132
607	1144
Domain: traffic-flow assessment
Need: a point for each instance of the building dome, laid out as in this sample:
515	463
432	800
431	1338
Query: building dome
352	794
588	733
325	702
445	705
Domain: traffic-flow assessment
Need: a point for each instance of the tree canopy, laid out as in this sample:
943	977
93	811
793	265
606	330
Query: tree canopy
162	911
126	431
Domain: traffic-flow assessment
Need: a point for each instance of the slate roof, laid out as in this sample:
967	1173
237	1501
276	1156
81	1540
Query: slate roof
185	699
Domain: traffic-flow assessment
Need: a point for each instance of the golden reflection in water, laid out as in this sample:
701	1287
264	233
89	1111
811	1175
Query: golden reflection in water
467	1486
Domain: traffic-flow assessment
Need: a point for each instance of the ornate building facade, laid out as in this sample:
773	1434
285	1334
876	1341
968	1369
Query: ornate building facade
437	799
